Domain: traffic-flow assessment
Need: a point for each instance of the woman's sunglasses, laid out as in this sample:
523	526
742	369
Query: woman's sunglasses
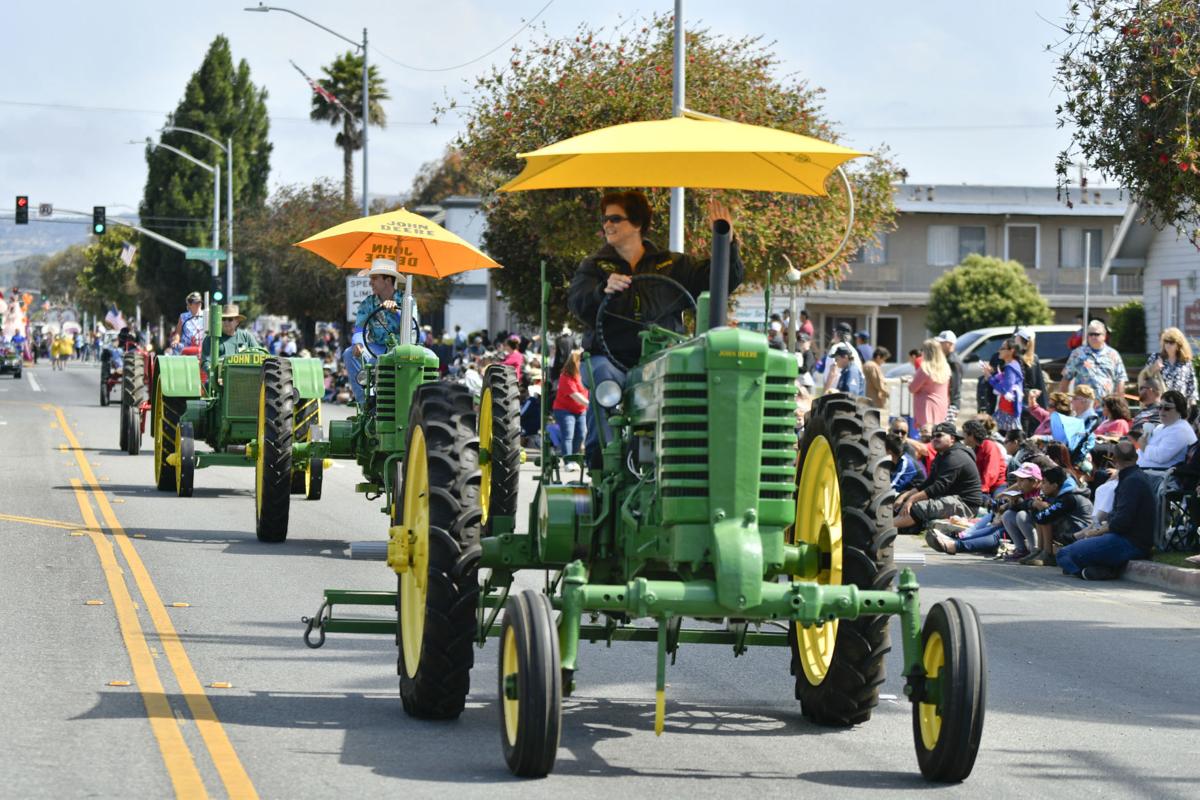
613	219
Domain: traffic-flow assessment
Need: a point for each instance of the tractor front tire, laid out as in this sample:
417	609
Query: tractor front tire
500	437
105	371
844	505
132	426
438	593
185	473
273	458
530	689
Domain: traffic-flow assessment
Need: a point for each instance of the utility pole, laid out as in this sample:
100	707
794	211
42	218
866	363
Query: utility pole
677	101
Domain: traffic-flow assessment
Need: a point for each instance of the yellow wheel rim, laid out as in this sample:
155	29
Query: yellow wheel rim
179	455
413	582
158	432
934	659
259	463
485	445
512	708
819	522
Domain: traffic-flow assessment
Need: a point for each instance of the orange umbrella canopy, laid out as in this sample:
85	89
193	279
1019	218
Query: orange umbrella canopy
417	245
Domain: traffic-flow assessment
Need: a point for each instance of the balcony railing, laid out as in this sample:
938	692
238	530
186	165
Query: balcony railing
918	278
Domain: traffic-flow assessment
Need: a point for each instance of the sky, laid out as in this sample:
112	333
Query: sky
959	92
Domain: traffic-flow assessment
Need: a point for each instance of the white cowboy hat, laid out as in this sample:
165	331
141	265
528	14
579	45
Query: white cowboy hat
231	312
382	266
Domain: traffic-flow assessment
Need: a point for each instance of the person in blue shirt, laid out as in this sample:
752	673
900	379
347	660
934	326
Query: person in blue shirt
906	470
850	375
384	278
190	327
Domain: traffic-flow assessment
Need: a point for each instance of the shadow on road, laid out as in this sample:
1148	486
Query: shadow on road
148	490
245	543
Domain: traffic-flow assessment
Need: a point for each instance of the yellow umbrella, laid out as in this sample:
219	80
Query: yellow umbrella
418	246
695	151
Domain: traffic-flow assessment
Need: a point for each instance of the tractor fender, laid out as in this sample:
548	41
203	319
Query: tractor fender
308	377
179	376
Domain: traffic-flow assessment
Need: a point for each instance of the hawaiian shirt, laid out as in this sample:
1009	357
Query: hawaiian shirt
383	324
191	330
1101	369
1177	375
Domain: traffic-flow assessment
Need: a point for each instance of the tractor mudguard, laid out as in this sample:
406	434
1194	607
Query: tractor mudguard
179	376
308	377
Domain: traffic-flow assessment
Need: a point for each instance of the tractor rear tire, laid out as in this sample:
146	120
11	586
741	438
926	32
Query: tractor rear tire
132	425
133	392
273	460
500	435
530	668
844	685
185	473
438	594
947	741
170	412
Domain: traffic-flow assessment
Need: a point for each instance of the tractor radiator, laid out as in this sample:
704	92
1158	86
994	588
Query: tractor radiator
242	388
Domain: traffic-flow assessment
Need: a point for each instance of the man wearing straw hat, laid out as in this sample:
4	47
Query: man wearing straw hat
235	339
384	277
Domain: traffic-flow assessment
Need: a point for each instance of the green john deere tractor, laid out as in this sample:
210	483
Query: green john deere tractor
705	508
217	399
292	442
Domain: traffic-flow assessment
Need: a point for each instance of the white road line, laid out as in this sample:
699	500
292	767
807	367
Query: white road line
33	383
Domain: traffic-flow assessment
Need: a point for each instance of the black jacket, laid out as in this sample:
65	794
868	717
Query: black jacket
954	473
642	301
1134	509
1070	509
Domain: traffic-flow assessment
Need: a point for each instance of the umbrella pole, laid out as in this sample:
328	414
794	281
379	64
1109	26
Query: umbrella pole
406	317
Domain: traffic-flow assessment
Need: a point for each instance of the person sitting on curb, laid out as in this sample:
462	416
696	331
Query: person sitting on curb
990	459
1101	554
1150	392
1064	511
952	488
984	536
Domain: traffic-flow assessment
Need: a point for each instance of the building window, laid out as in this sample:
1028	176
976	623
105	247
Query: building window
1170	304
948	245
1071	247
1021	245
971	239
872	252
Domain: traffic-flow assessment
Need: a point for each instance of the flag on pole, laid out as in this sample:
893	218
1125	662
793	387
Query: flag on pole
127	252
114	319
325	94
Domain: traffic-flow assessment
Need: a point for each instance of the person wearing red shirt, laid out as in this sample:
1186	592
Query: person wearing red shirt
570	406
513	356
989	456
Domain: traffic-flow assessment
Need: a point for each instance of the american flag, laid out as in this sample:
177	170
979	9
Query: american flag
114	319
127	251
327	95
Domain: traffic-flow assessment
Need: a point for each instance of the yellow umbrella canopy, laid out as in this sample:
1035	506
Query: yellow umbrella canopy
418	245
694	151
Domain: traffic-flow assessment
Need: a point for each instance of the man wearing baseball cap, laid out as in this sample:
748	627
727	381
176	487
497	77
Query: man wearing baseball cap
842	335
948	340
952	488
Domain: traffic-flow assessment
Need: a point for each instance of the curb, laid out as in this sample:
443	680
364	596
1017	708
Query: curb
1164	576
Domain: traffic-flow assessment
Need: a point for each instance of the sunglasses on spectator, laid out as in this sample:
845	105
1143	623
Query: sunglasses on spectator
614	219
1095	333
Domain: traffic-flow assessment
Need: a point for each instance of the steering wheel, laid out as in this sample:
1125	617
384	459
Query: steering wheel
368	341
670	309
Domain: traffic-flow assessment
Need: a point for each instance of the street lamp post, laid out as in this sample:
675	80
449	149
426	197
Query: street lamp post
216	172
228	148
366	99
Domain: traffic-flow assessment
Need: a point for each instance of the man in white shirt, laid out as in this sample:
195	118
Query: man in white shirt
1166	445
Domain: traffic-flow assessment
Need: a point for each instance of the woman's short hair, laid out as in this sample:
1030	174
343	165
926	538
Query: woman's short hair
975	429
882	352
1176	400
635	205
1061	401
1117	407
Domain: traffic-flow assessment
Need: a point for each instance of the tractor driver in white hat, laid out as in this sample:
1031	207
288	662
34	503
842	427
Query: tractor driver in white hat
235	339
384	279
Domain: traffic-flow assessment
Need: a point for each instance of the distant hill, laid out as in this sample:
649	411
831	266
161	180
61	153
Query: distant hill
39	237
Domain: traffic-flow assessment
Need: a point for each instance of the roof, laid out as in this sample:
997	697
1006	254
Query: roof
994	200
1130	244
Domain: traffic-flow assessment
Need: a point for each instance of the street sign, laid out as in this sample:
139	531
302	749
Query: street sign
45	209
204	254
358	288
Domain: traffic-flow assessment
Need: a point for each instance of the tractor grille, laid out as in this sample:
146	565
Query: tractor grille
385	395
431	375
684	459
778	470
242	387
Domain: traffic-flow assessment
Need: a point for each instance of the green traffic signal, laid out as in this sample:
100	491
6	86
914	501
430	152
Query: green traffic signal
218	296
98	222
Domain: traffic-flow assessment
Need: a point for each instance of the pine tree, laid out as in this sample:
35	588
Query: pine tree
223	102
343	79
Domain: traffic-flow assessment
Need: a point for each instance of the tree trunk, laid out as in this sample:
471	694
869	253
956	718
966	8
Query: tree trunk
348	159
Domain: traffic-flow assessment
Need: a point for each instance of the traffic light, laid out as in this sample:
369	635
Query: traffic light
217	295
98	223
22	209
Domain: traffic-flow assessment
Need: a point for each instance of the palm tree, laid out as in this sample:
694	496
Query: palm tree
343	79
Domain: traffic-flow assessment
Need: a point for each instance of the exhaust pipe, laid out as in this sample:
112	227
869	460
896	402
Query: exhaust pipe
718	275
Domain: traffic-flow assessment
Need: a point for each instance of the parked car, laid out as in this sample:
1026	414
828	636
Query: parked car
977	347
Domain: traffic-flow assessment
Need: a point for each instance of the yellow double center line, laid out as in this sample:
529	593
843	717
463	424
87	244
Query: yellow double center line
178	759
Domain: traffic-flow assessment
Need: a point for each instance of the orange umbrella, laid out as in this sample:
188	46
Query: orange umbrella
417	245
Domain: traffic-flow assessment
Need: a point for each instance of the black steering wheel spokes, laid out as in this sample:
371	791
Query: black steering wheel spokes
652	315
370	344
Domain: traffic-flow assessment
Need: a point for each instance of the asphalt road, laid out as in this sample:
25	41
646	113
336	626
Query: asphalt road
1092	687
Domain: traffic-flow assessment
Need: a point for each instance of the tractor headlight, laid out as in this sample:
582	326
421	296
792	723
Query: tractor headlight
361	377
608	394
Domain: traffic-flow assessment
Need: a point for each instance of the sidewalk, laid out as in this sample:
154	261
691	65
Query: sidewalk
1163	576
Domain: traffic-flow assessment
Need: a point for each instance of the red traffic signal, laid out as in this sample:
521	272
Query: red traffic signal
22	209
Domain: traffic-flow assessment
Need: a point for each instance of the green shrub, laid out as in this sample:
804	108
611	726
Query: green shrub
1127	327
984	292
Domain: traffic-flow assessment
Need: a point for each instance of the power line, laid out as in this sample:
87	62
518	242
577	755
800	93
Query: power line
473	60
117	110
